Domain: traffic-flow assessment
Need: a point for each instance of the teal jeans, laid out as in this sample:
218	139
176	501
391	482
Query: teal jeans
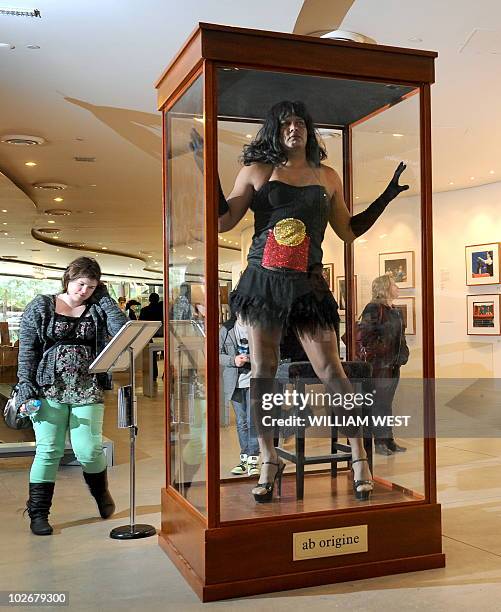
51	423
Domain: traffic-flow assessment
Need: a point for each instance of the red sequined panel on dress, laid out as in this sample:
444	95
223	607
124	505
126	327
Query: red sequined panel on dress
287	246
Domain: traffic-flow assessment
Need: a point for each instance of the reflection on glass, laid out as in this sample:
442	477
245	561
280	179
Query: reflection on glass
186	286
387	259
379	144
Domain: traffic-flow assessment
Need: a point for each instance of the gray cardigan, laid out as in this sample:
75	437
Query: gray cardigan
228	350
36	365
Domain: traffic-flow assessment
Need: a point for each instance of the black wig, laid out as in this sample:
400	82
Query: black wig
267	148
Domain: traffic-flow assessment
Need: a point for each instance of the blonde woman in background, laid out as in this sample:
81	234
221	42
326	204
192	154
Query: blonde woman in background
382	337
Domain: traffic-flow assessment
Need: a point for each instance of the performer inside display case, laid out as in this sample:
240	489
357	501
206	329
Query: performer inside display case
293	196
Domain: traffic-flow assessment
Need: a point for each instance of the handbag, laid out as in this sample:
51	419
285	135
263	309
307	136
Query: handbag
368	346
10	412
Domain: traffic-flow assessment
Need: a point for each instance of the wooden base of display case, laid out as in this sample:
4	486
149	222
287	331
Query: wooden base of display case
254	557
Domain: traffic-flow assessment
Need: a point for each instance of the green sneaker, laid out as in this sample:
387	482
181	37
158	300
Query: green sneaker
253	467
241	468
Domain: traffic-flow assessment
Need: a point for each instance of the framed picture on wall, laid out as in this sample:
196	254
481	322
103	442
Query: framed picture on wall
407	307
400	266
483	312
482	264
341	294
328	274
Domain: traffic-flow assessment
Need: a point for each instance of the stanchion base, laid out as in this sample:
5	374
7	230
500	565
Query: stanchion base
132	532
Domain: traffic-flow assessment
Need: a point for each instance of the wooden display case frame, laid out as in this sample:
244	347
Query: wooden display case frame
229	559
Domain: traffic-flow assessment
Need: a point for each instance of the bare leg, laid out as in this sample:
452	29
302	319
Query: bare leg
264	345
322	353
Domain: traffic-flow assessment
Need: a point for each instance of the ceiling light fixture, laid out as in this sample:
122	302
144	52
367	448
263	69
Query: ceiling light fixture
398	135
50	186
347	36
20	12
22	140
51	221
58	199
58	212
104	248
33	46
7	46
30	164
4	210
491	171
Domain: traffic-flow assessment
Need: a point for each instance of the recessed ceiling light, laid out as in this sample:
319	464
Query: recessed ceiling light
357	197
50	186
86	160
398	135
150	256
491	171
51	221
4	210
58	212
22	139
58	199
190	257
33	46
472	178
451	183
91	212
30	164
104	248
4	223
21	242
248	135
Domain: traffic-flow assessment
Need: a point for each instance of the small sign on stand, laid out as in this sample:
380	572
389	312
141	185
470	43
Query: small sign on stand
119	355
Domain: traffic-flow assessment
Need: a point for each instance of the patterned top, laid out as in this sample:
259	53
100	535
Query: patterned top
72	382
37	363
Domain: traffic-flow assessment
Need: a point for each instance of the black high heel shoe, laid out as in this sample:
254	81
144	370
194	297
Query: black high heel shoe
361	495
268	487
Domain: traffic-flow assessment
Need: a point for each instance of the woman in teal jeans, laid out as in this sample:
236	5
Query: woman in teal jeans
59	337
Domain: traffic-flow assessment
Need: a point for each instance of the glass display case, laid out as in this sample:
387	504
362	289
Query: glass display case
371	108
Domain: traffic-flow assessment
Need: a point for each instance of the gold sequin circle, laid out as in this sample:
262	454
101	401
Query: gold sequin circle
289	232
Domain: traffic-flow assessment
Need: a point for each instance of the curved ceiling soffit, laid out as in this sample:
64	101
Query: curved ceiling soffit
143	130
37	235
10	188
318	17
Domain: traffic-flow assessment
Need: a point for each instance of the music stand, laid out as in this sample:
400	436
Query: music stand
117	356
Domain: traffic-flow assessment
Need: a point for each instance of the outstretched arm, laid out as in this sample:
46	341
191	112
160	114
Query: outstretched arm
349	227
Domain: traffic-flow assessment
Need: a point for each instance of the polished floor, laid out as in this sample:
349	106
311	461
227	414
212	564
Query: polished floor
104	574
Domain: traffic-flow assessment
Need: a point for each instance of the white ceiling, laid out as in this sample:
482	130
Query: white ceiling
89	91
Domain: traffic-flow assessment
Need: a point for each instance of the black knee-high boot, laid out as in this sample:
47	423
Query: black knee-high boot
38	506
98	485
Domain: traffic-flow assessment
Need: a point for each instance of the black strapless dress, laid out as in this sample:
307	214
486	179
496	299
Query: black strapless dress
290	225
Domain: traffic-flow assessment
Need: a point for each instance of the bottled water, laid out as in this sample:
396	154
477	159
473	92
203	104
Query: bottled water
31	407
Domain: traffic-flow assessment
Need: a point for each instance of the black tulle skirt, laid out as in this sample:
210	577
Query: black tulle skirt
285	298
